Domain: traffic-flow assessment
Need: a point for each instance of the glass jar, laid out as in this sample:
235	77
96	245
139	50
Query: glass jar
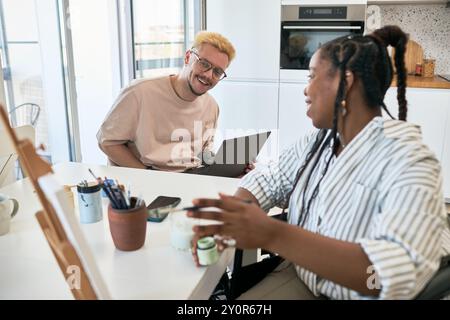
207	251
418	69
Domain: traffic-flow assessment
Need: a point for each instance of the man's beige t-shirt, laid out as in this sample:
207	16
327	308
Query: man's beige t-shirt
162	130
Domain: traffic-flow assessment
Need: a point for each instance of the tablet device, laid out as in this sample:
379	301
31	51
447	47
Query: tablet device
233	156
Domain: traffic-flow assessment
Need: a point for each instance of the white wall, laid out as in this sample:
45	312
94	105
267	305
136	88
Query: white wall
248	97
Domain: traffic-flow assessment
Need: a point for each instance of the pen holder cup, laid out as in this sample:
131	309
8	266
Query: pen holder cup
89	202
128	227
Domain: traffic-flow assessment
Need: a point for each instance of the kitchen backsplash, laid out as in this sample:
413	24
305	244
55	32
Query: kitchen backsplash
429	25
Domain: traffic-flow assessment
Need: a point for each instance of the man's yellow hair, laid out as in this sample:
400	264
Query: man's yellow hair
216	40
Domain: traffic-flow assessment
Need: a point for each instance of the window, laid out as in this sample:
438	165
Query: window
22	68
72	57
33	72
162	32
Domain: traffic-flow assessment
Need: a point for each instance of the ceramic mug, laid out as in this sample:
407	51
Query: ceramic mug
8	209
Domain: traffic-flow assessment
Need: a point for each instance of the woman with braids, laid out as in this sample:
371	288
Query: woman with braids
366	215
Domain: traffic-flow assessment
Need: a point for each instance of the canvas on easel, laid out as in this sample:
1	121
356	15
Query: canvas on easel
58	223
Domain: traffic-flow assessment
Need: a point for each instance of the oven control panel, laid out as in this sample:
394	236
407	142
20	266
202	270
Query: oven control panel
322	12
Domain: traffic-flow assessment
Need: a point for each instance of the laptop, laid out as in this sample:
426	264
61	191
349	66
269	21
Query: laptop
233	156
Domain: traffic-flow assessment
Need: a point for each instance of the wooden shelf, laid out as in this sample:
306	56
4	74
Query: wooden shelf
421	82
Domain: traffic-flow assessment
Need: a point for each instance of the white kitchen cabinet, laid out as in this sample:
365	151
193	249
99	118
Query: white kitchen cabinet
430	109
427	108
253	26
247	108
293	122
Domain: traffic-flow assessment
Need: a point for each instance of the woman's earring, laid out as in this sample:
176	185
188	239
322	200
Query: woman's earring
344	109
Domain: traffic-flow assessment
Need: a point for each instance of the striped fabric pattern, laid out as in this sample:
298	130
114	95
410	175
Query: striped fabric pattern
384	191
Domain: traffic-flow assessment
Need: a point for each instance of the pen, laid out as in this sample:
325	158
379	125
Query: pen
138	201
129	193
193	208
110	193
126	197
92	173
172	210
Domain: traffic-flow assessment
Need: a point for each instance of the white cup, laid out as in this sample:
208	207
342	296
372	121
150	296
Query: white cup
8	209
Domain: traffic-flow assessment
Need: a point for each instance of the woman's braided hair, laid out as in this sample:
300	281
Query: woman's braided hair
367	57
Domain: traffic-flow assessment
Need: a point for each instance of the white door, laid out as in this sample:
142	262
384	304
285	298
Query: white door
293	122
253	26
246	108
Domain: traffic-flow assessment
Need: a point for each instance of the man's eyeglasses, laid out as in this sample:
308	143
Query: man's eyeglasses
205	65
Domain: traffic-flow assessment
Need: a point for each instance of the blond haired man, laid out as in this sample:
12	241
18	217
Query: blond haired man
166	123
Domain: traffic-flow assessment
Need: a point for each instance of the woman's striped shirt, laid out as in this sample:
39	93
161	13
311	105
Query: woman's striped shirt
384	191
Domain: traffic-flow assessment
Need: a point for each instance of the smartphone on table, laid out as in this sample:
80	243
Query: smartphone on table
157	210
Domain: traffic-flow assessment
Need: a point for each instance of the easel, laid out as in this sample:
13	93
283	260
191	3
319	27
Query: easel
62	249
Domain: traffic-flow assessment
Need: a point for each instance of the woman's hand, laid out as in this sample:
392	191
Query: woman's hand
222	244
246	223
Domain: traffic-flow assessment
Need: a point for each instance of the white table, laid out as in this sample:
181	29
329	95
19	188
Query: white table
28	269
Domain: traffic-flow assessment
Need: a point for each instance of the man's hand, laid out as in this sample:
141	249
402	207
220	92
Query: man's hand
121	155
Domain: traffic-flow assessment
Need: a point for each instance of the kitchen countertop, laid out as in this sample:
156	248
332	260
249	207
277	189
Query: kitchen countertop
422	82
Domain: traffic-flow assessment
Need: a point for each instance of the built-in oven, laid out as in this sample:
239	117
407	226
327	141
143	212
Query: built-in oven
304	28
